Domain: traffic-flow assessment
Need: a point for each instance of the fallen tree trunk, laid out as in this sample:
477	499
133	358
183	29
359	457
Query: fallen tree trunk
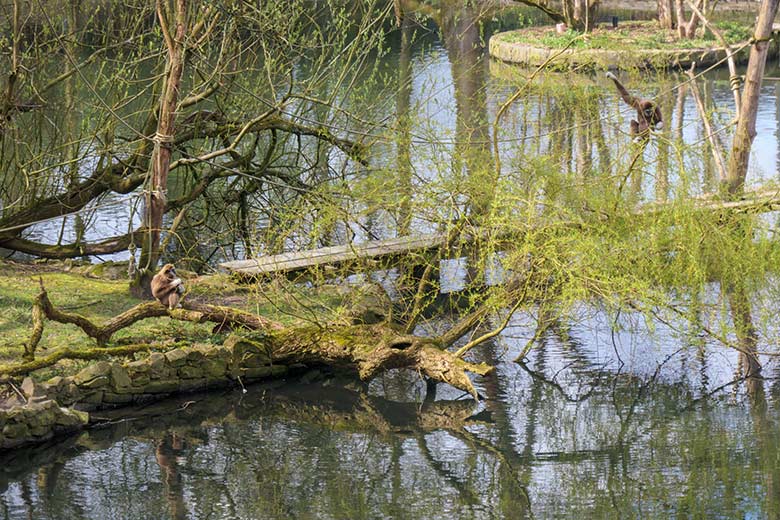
365	350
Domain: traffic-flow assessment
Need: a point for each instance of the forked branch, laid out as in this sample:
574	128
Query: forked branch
190	311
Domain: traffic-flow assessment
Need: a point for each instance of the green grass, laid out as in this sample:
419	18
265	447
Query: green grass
633	35
95	299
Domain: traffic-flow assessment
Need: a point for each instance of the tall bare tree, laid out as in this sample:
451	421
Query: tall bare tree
746	125
174	33
666	14
207	115
580	15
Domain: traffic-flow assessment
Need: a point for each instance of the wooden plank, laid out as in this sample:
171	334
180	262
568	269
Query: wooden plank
300	260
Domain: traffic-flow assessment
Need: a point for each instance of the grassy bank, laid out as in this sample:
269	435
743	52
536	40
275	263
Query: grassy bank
635	35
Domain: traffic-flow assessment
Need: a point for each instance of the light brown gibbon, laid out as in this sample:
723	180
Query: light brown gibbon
167	287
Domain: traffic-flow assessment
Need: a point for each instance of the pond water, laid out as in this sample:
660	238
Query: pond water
603	419
569	434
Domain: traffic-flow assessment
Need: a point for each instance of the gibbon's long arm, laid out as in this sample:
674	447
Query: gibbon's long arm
627	97
648	114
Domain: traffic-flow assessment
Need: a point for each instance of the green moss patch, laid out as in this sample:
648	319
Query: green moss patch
633	45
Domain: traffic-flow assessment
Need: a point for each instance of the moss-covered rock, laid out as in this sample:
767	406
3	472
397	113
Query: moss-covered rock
32	390
55	384
190	385
215	367
158	366
249	349
176	357
120	377
117	398
98	382
190	372
16	430
164	386
101	369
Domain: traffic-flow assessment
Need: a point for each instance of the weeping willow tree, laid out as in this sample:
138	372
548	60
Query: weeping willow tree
180	112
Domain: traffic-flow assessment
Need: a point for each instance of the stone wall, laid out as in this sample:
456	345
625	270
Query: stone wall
110	384
37	421
535	55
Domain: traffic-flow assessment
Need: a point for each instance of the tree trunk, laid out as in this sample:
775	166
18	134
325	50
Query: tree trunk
582	14
7	106
665	14
680	13
161	156
746	126
567	10
693	24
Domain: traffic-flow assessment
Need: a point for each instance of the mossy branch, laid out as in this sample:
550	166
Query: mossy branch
21	369
190	311
364	349
37	331
425	356
465	325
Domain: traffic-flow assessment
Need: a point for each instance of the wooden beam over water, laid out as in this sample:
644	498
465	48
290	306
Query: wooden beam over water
335	255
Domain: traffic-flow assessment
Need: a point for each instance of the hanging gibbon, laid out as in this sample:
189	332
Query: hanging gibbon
648	115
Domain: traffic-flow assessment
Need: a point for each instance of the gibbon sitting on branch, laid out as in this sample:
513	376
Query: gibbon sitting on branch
167	287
